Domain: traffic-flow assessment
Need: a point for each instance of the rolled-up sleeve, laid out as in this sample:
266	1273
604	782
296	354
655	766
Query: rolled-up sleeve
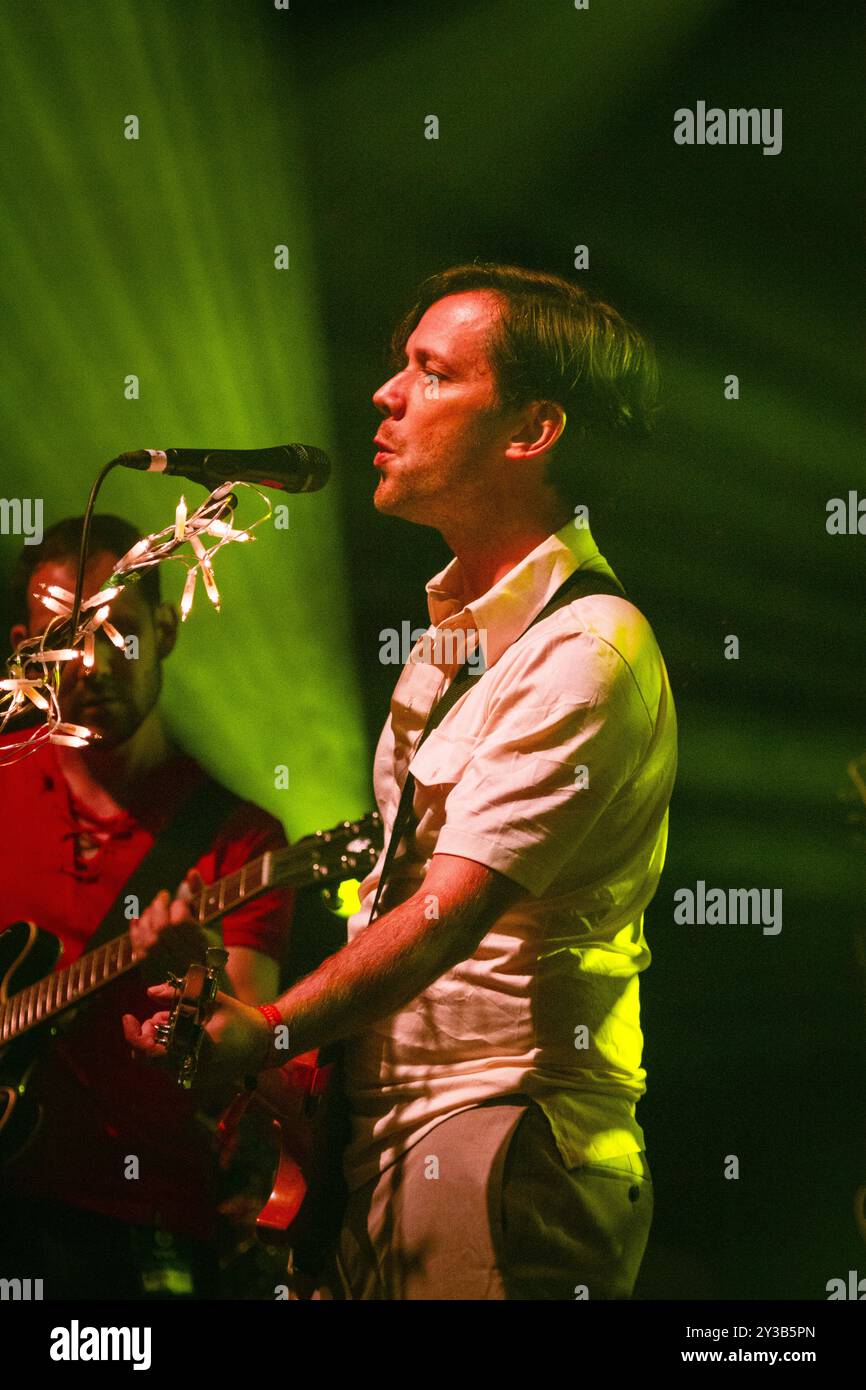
564	732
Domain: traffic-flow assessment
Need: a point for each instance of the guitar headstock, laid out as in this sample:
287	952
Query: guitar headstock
183	1035
348	850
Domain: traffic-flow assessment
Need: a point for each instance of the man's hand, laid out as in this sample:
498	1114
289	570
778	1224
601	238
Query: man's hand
238	1039
166	935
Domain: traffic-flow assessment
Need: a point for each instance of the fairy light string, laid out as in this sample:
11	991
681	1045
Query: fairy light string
35	669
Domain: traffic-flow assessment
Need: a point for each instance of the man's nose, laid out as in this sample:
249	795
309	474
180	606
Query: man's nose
389	397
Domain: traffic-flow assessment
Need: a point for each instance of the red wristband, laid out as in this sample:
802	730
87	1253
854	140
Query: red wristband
271	1013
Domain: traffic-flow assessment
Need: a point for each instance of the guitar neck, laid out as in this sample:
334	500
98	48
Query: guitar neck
60	990
320	858
271	870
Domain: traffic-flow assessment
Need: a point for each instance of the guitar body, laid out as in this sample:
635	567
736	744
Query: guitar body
304	1101
27	954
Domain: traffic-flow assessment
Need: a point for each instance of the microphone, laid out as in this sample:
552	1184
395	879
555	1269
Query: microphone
289	467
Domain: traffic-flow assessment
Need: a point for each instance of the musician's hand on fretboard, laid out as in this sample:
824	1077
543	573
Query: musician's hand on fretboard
167	938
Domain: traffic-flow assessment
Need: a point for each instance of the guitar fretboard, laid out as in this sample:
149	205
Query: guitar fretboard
50	995
229	892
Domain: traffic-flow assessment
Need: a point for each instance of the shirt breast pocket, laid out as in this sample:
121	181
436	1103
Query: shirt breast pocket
442	759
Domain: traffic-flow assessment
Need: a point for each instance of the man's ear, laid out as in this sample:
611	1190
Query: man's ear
543	424
165	621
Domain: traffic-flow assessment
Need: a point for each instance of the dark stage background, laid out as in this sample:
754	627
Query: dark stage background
556	129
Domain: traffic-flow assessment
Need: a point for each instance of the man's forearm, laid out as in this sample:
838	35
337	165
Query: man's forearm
382	969
386	965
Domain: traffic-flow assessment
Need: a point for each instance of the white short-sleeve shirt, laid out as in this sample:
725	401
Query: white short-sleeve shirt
555	768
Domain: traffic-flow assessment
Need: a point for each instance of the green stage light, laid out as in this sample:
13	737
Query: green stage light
145	309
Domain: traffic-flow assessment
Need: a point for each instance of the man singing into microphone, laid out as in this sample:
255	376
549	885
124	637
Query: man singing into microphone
491	1010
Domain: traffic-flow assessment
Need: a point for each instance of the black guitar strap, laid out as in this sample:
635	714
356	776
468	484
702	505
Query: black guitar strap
190	832
579	584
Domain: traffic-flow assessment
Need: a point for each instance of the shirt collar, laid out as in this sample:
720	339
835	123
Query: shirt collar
507	609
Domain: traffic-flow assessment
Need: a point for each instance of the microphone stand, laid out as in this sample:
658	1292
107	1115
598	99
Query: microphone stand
85	541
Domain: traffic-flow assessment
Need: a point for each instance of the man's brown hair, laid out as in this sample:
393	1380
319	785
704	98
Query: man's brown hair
554	341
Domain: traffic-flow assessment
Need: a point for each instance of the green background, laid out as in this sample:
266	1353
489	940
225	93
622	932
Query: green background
305	127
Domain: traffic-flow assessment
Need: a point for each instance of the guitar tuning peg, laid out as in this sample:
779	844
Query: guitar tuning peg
174	980
162	1033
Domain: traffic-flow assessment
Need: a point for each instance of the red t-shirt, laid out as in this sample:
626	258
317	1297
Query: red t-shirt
62	868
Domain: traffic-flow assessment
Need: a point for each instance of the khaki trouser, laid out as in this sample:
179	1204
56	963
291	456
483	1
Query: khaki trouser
483	1207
